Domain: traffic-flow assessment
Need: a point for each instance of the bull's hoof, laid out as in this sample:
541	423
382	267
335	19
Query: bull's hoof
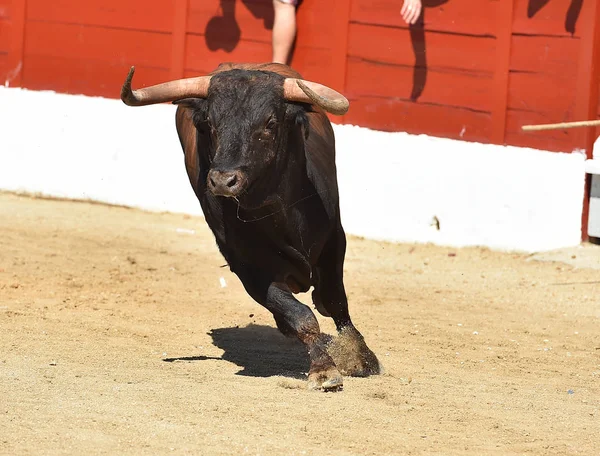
352	356
327	380
362	364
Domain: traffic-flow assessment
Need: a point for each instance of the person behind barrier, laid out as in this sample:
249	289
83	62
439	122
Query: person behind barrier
284	25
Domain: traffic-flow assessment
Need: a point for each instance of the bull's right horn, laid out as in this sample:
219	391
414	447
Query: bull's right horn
313	92
165	92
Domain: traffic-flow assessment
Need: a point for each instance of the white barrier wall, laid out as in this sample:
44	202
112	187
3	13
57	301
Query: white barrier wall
393	186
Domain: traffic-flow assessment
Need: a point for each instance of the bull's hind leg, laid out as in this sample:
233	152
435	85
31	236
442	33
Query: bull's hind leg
349	350
293	317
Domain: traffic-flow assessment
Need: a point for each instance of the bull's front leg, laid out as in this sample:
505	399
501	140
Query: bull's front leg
349	350
294	318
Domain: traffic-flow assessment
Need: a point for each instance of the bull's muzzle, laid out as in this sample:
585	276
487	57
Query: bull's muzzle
226	183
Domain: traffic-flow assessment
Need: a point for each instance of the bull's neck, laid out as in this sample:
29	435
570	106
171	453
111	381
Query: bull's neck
291	172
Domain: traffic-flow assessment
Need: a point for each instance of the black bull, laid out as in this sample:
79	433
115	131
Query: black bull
260	156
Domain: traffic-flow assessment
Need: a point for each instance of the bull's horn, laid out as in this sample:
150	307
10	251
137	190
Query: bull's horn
323	96
165	92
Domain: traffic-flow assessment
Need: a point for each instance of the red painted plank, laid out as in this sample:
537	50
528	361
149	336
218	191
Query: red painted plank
5	34
178	39
5	9
317	65
543	93
393	45
320	32
114	46
441	87
551	140
318	20
542	54
339	43
3	66
80	76
199	60
130	14
468	17
398	115
549	20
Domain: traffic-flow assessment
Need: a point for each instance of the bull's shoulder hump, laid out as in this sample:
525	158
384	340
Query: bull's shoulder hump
279	68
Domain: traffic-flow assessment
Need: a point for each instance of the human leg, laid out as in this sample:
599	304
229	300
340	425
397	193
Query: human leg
284	29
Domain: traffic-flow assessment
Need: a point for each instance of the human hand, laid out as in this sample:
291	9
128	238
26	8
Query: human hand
411	10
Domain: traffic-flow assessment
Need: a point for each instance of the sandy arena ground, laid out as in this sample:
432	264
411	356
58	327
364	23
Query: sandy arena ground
118	338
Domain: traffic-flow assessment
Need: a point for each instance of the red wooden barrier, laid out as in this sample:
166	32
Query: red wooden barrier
468	70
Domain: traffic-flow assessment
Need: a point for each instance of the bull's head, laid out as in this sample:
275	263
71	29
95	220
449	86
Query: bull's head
246	117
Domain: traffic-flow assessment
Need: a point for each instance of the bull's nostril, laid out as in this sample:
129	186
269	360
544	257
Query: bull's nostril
212	181
232	181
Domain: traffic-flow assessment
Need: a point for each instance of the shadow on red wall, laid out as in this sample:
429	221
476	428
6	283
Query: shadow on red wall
419	47
571	17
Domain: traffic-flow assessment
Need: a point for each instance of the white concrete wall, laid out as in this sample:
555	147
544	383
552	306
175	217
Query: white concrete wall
392	185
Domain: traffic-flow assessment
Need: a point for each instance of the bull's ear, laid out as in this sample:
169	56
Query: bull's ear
198	106
297	114
193	103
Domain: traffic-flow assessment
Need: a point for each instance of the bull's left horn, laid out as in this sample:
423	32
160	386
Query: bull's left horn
165	92
313	92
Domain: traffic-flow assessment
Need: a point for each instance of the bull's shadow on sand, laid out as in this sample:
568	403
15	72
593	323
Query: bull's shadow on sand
261	351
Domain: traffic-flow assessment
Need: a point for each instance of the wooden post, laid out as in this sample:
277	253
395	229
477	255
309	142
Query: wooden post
179	34
339	47
504	27
586	101
17	44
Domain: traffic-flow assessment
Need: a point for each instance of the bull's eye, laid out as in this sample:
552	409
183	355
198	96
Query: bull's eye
271	124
